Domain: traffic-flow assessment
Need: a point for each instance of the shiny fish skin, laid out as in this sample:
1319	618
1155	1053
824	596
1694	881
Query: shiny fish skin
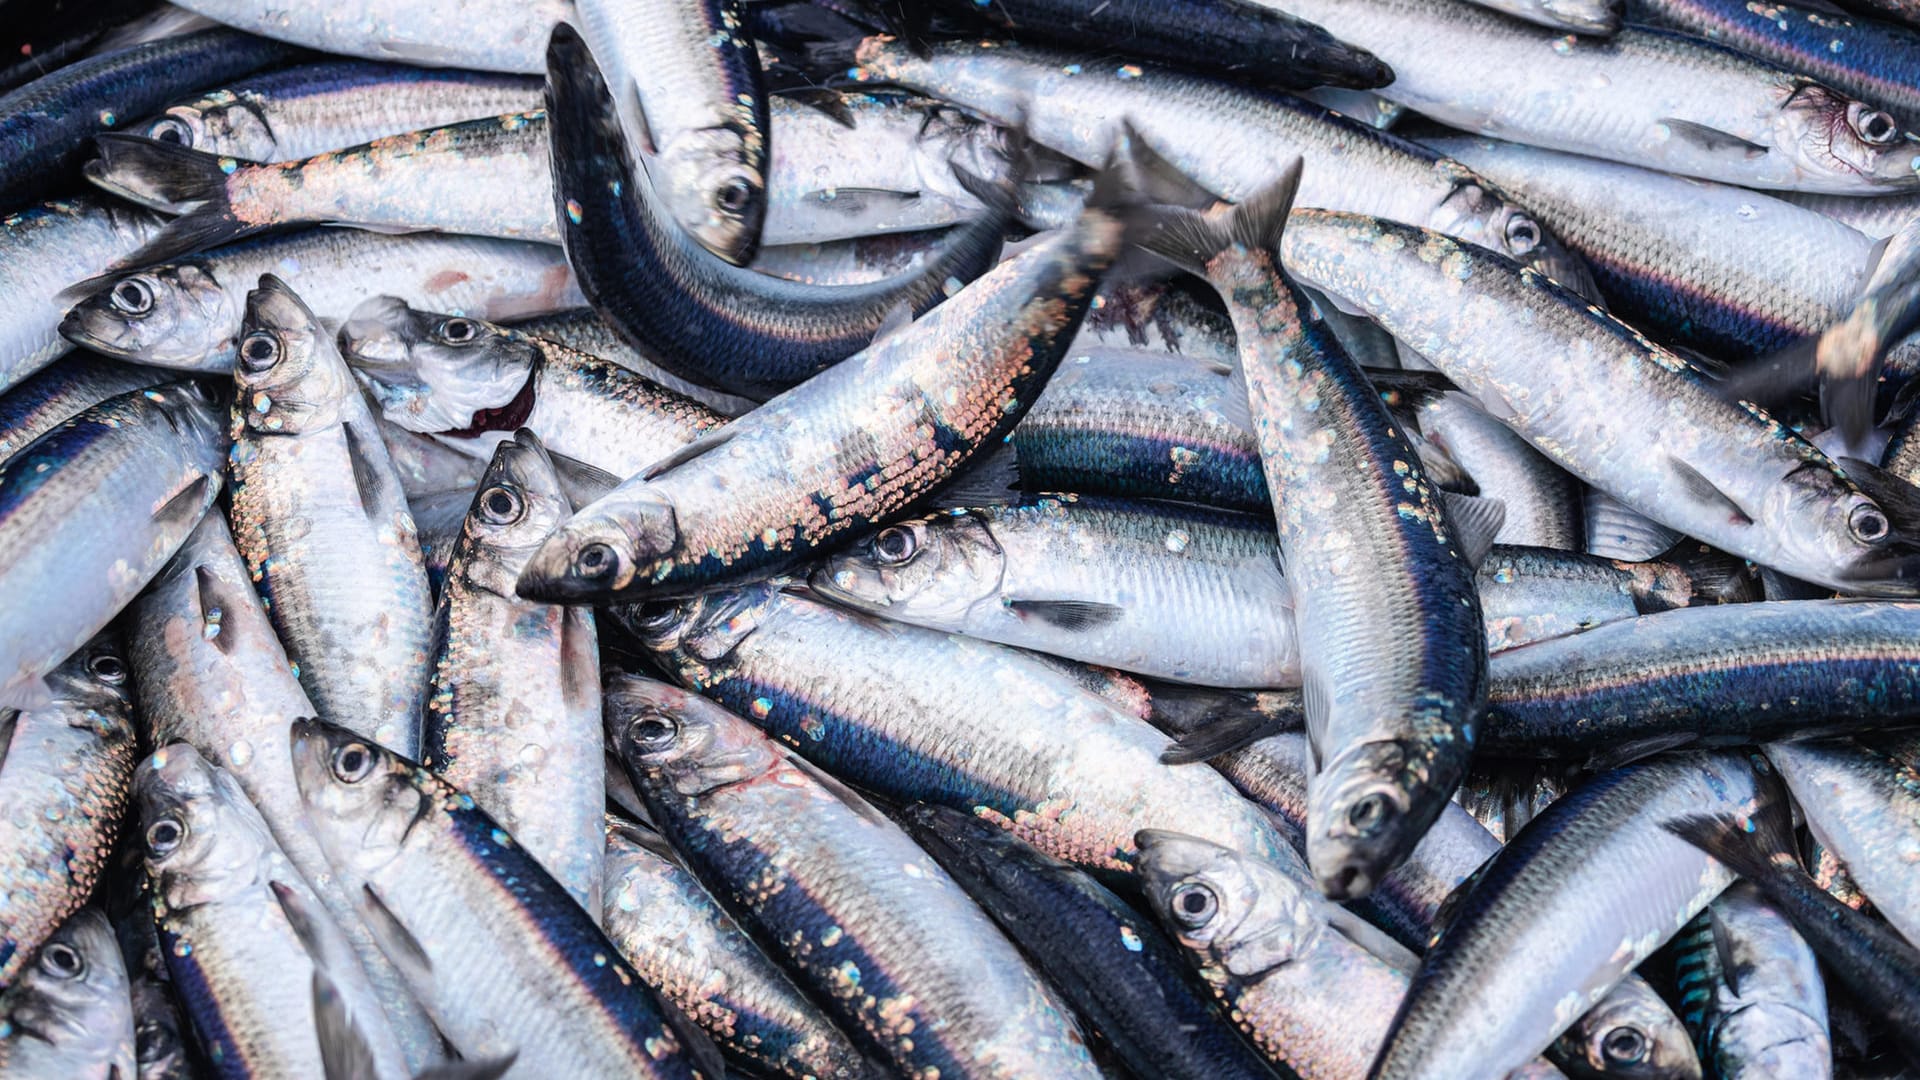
1768	1017
59	241
246	966
209	672
502	957
1189	595
1547	364
1230	140
464	381
301	111
160	1033
1715	675
795	856
1531	594
64	782
844	449
1585	892
582	331
1542	502
680	940
488	35
513	710
1645	97
1861	799
1876	217
695	314
1597	17
187	314
70	1017
104	499
63	391
318	514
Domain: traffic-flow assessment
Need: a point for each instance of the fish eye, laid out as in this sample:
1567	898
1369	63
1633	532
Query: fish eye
1624	1046
1523	234
1370	813
62	961
501	505
171	129
457	331
1872	125
132	297
734	195
595	560
895	545
657	617
259	350
1193	905
352	762
164	836
108	668
1868	524
653	732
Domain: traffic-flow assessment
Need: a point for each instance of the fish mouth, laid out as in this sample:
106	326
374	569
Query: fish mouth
511	416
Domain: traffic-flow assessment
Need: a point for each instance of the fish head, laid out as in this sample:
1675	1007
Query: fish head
430	372
1763	1039
705	629
361	798
1241	913
288	375
714	191
1479	213
518	503
1631	1034
173	316
1827	134
1360	814
231	124
602	550
197	841
1826	530
930	572
74	989
672	739
159	1043
95	685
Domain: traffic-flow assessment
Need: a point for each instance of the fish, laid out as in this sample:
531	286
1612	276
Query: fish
1631	1033
471	383
1391	697
863	917
1541	501
1596	875
920	716
513	703
66	240
319	516
45	124
1532	594
1114	966
486	35
62	391
297	112
160	1034
1177	593
1643	97
679	939
1876	216
69	1017
1858	796
497	950
103	499
65	777
46	38
1848	355
1599	18
187	314
1756	987
678	301
243	934
581	330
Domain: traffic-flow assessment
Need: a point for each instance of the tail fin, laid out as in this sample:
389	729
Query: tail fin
1233	727
1715	576
1189	238
1756	848
175	179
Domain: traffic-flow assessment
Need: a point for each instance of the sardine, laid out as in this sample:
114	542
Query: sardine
63	391
160	1035
1757	990
1861	799
1631	1034
489	35
59	241
1541	502
1597	17
69	1017
1531	594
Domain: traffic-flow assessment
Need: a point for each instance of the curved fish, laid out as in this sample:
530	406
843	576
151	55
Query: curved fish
1861	798
63	391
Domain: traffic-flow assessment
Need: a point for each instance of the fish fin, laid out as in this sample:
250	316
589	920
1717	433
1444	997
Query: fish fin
1712	139
1188	238
1631	750
1413	388
170	175
1475	521
644	836
1717	577
186	507
27	695
1848	398
705	444
1757	847
581	482
839	790
1160	180
300	917
821	99
990	479
898	318
1223	733
1369	937
344	1053
1315	704
366	474
693	1038
394	939
471	1069
1900	499
1723	948
1775	381
9	719
1704	490
213	608
1073	616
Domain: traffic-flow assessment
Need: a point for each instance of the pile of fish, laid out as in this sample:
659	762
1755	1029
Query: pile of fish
1328	539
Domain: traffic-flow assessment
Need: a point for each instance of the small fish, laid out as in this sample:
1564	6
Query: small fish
488	35
1630	1034
63	391
69	240
69	1017
1861	798
1754	991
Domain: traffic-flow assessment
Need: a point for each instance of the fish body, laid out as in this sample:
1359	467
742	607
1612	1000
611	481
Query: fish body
1859	798
46	400
1542	502
581	330
69	1017
488	35
66	241
1757	987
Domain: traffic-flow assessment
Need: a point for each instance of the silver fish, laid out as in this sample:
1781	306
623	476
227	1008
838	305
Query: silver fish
70	1017
1632	1035
490	35
582	331
1764	1012
63	391
1861	799
58	241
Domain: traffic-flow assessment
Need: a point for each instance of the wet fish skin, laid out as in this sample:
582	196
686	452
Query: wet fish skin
58	241
488	35
247	957
1542	502
187	314
680	303
683	942
470	383
1565	879
832	872
513	708
297	112
1189	595
69	1017
65	777
1768	1016
45	400
320	518
1858	796
582	331
105	499
1597	17
502	957
901	711
1531	594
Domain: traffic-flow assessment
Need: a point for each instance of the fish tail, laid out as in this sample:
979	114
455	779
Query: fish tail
1225	731
1753	846
158	172
1189	239
1714	576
